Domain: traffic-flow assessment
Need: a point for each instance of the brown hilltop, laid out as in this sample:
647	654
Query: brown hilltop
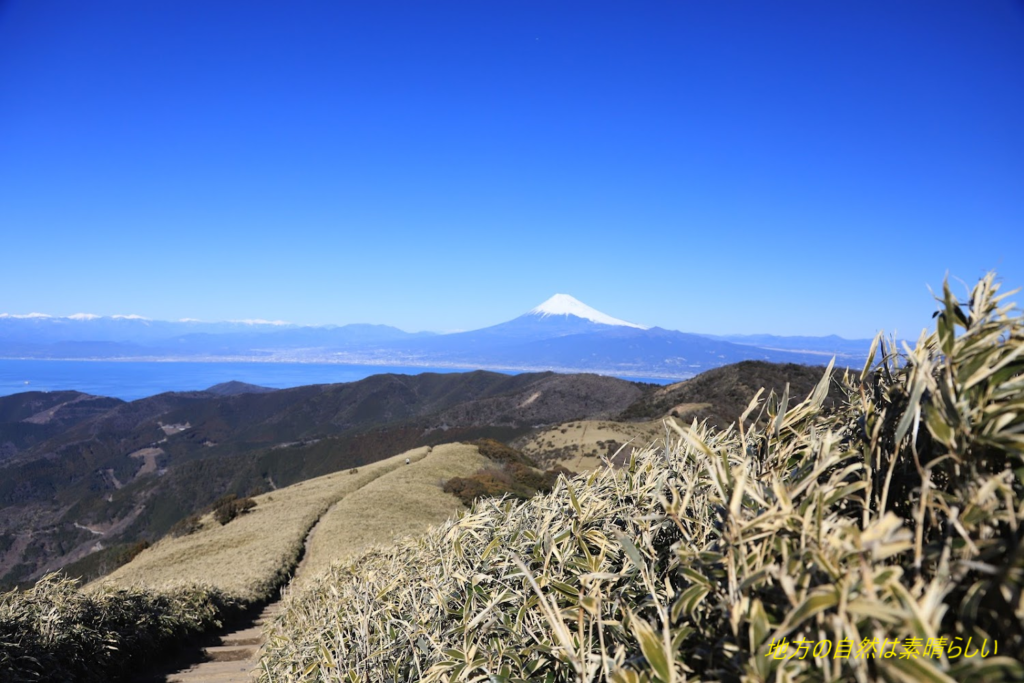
721	395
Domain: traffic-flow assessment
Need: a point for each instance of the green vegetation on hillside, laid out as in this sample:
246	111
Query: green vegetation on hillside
511	473
888	529
30	418
231	506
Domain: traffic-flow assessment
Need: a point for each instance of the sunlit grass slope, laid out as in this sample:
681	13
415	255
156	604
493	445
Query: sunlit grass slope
403	502
253	554
585	444
889	525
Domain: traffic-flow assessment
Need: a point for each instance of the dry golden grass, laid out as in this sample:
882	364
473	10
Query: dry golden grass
403	502
580	445
253	554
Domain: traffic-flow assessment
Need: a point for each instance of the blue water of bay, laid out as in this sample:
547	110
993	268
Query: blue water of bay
130	380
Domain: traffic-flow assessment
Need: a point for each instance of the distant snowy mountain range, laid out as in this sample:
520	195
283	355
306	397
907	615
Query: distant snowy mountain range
561	334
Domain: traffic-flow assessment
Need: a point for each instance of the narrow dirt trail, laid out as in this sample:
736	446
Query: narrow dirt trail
230	656
230	659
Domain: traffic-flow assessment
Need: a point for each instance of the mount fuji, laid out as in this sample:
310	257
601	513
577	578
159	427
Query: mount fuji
570	307
561	334
559	316
566	335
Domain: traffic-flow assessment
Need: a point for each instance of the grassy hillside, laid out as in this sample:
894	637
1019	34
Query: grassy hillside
184	586
585	444
253	554
404	502
877	541
717	397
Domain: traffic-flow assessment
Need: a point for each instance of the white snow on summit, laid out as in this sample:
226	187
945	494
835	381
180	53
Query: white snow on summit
563	304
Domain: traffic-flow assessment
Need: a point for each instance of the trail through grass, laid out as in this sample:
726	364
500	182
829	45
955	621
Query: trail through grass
407	501
255	553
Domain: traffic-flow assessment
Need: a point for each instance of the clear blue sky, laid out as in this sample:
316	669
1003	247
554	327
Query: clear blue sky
779	167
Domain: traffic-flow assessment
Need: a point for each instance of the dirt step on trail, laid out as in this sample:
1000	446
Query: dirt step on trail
230	657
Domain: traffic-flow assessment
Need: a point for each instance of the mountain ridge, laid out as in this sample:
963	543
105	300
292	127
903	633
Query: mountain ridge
562	334
130	472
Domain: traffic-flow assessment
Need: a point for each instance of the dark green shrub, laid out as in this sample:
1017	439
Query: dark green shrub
516	476
230	506
466	489
500	453
185	527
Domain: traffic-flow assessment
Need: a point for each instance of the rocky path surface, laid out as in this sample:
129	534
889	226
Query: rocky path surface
229	656
229	659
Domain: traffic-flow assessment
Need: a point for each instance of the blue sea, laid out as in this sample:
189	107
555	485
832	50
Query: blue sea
130	380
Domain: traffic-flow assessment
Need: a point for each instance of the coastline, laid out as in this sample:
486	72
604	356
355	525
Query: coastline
131	378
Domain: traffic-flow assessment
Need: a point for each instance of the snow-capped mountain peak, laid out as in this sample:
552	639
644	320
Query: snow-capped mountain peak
563	304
